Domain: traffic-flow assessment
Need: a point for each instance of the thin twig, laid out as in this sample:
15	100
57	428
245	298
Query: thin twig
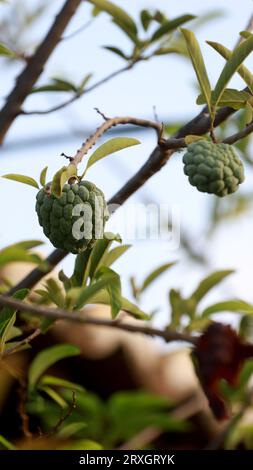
19	345
239	135
22	391
63	417
77	317
76	97
77	31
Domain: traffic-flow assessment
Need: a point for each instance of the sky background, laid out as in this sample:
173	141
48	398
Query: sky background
166	82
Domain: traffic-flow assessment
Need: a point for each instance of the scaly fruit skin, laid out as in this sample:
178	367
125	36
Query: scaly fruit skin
213	168
75	220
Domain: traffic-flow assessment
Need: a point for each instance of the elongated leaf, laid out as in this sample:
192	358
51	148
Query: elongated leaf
54	395
243	71
25	245
198	64
47	358
71	429
230	97
82	295
55	293
22	179
170	25
5	51
100	249
245	34
109	147
43	176
12	255
234	306
57	84
236	59
102	297
85	81
81	271
8	318
116	51
62	383
155	274
115	254
61	177
6	444
208	283
146	19
117	13
167	50
114	290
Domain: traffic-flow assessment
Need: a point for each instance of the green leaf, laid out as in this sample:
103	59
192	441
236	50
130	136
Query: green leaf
71	429
230	97
25	245
243	71
155	274
81	269
5	51
235	306
61	177
189	139
6	444
82	295
99	251
114	290
115	254
84	444
117	13
177	308
22	179
234	62
208	283
57	84
111	146
245	34
43	176
146	19
62	383
198	64
170	26
46	359
13	255
8	318
167	50
116	51
102	297
85	81
55	396
55	292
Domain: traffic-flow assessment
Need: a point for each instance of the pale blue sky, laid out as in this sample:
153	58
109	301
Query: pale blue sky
166	82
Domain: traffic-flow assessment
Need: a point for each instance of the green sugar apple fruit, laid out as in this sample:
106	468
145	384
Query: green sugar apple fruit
75	220
213	168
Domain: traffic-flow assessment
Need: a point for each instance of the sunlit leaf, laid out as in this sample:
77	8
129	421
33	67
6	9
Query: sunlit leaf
155	274
117	13
5	51
22	179
47	358
235	306
61	177
208	283
198	64
170	26
43	176
111	146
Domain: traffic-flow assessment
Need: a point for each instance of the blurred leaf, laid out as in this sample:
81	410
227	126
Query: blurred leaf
5	444
55	396
111	146
22	179
55	293
58	84
46	359
12	255
102	297
189	139
71	429
62	383
230	97
43	176
113	288
236	306
235	60
114	254
177	308
85	81
61	177
117	13
100	250
8	317
167	50
198	64
155	274
245	34
170	26
85	444
243	71
116	51
208	283
146	19
5	51
25	245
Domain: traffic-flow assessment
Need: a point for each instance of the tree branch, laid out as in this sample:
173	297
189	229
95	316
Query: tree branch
60	314
239	135
34	68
